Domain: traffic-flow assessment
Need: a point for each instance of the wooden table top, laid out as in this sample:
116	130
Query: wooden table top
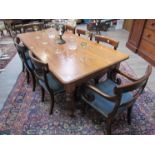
71	65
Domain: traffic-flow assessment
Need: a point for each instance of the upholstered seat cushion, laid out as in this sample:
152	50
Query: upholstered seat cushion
103	105
54	84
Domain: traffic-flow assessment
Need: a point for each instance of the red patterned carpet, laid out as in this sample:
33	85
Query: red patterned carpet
8	48
24	113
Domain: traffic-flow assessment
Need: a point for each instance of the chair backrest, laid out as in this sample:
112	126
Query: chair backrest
112	42
136	87
70	28
80	31
33	27
83	32
7	24
23	53
40	68
20	48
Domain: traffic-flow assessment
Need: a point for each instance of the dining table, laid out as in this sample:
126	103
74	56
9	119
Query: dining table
73	63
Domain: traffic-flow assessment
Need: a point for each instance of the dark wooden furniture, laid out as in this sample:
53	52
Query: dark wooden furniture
1	32
15	26
24	55
72	67
105	39
99	25
127	24
107	97
20	49
36	26
46	80
70	28
83	32
7	24
142	39
95	25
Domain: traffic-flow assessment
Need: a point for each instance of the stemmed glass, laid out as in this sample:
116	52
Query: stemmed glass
52	33
72	45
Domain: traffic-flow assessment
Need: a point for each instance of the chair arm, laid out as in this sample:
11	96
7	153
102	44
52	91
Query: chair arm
126	75
95	89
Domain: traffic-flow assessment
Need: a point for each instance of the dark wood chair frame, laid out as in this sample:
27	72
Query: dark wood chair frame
41	70
105	39
137	85
21	49
83	32
70	28
2	34
20	25
8	27
39	25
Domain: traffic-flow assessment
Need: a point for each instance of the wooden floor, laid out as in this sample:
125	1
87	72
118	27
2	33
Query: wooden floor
13	69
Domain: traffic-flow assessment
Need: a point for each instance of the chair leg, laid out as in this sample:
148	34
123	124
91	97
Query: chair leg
129	110
28	76
52	103
108	126
34	82
84	107
23	67
2	34
9	31
42	94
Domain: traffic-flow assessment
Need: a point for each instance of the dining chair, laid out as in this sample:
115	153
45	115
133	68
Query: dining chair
34	26
13	26
111	42
1	31
83	32
105	39
108	97
26	62
46	80
8	28
70	28
2	28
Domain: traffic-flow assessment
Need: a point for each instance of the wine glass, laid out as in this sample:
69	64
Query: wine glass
72	45
52	34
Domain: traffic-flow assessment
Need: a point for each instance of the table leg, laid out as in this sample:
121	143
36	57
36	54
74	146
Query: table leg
70	99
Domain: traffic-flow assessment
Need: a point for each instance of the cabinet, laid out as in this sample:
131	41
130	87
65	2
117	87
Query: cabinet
127	24
142	39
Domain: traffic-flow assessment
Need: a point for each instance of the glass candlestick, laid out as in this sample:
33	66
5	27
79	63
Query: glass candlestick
61	29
